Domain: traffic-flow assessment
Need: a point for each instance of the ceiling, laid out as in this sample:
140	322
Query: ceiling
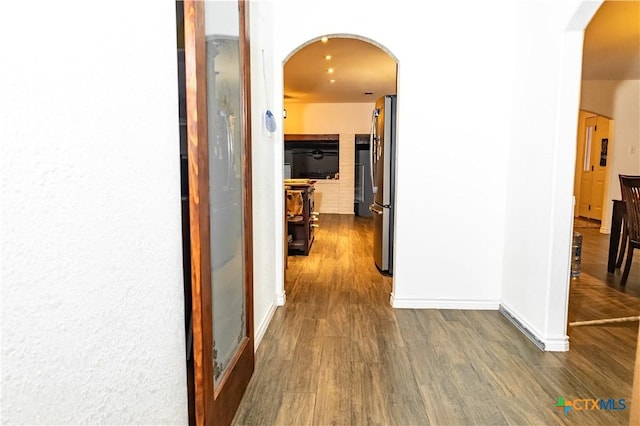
612	42
611	52
362	72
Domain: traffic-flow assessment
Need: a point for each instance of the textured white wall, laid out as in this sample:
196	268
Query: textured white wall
92	297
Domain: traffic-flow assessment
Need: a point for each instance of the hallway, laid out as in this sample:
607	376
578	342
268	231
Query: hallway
337	353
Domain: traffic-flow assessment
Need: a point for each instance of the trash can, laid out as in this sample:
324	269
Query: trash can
576	254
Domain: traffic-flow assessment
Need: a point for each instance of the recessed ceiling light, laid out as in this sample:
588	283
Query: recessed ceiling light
324	39
327	57
332	81
330	70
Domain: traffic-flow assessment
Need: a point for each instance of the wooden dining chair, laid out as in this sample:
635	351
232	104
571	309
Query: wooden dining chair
630	186
624	238
623	244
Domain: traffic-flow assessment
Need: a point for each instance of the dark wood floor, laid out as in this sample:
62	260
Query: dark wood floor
337	353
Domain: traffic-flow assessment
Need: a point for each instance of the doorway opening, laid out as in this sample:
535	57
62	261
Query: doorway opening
610	73
331	85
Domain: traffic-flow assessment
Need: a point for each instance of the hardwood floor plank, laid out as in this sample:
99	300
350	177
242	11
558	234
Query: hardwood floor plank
338	323
303	378
333	402
259	407
282	335
407	410
335	351
398	377
368	395
304	373
296	409
441	409
410	327
364	345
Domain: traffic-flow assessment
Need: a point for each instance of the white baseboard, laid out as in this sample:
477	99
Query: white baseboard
548	345
262	329
281	299
491	305
557	345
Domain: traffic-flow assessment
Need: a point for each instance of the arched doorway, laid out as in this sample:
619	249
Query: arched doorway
331	85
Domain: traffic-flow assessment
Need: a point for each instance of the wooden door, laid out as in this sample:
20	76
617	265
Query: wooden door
219	158
595	161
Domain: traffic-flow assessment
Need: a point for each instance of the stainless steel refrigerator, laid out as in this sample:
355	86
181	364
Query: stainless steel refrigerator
383	156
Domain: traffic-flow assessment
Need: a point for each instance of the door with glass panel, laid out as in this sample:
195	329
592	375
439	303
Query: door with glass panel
594	167
217	80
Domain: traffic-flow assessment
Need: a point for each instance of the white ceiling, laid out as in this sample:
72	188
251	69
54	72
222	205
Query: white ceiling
611	52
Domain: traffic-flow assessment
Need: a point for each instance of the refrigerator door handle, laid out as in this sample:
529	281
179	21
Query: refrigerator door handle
372	147
374	208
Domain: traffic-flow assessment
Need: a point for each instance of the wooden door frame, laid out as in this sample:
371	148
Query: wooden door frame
211	405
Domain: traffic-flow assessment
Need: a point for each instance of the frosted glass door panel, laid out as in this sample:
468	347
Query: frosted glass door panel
224	113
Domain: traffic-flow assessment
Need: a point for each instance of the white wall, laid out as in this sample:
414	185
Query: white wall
598	96
541	166
619	100
268	215
92	293
454	98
